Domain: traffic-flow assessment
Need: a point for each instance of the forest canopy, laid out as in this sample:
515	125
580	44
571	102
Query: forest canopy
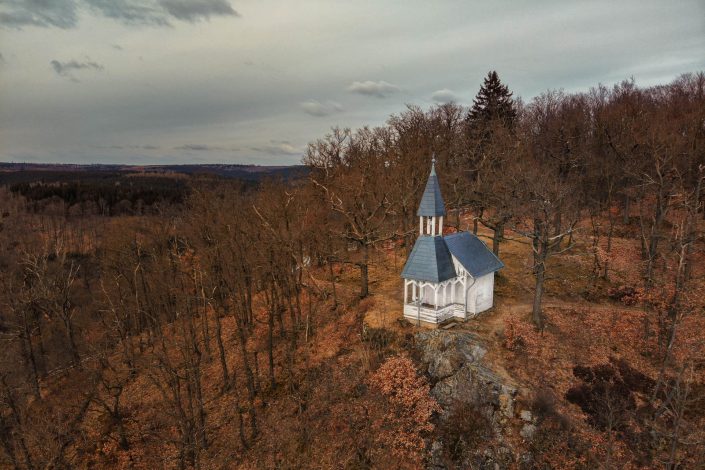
217	323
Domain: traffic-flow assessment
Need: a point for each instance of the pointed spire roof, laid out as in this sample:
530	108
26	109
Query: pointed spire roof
432	202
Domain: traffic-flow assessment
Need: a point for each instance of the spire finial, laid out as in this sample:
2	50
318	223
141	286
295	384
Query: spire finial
433	164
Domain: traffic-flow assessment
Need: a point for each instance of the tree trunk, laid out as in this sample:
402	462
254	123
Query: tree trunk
364	281
28	352
122	434
270	348
596	261
538	294
248	299
201	435
241	428
540	248
68	324
332	281
692	224
41	366
249	378
608	251
7	447
117	418
15	414
497	238
204	320
221	352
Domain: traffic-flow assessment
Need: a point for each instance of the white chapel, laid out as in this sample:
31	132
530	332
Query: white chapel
449	276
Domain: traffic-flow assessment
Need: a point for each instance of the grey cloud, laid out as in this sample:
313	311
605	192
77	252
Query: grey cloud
66	69
316	108
128	147
218	101
17	19
64	13
379	89
57	13
444	96
197	148
277	147
194	10
138	12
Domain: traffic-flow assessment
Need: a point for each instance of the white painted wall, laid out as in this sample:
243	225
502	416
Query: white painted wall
481	294
480	297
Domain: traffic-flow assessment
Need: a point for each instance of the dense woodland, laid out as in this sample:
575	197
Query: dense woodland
101	194
200	322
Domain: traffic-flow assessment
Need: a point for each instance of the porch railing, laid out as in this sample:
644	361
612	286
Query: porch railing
413	311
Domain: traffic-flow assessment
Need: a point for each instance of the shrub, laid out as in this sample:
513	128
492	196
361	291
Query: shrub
463	431
543	403
519	335
625	294
607	393
378	338
556	445
408	419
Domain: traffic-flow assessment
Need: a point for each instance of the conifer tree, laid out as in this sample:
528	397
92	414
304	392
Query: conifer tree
492	105
490	131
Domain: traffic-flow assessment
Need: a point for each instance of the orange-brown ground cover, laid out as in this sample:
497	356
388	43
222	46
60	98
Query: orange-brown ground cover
336	411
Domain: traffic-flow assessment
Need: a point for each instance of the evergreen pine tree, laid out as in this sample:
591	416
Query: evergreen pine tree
492	104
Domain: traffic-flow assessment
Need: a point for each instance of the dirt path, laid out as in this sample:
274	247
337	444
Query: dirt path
494	321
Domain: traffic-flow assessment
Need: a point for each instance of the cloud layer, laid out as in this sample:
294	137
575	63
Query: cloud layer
58	13
444	96
198	148
67	69
224	81
278	147
316	108
64	14
380	89
194	10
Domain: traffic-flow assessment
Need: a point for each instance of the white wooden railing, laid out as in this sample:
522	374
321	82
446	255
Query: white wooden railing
413	312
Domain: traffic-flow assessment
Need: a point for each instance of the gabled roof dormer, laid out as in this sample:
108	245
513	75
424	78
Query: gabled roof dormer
472	254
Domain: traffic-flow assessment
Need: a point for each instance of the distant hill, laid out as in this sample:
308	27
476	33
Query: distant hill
21	172
254	172
125	189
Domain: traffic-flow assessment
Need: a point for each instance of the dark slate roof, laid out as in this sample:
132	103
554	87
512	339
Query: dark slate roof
473	254
432	201
429	260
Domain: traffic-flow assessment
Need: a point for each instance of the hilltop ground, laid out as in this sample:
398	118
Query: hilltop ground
330	415
586	327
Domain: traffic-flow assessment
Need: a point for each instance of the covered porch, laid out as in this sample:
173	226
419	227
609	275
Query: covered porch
434	303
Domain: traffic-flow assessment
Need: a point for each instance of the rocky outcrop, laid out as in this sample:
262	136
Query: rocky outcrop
458	374
454	364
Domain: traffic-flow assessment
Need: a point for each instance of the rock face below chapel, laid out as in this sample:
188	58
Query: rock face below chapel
454	362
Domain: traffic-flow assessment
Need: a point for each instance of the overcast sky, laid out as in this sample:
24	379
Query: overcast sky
245	81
